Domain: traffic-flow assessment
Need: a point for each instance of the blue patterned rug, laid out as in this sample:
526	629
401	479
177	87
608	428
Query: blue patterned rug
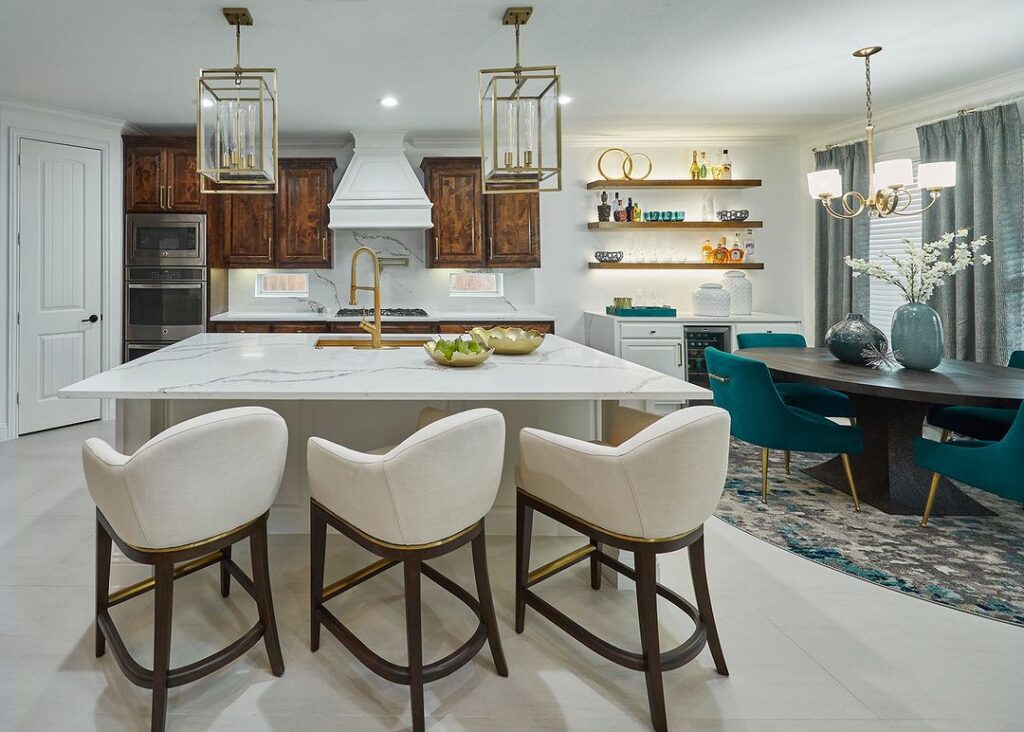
973	564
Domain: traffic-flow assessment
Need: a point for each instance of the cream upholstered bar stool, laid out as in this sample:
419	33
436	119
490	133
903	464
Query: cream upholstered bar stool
179	503
648	491
401	504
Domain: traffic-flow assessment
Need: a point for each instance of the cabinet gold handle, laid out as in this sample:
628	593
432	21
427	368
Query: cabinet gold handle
490	247
170	196
679	353
162	197
270	248
437	247
323	248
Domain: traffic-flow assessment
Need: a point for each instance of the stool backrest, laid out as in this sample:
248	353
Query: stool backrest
196	480
770	340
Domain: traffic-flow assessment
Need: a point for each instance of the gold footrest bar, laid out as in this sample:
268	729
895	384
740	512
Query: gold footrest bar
559	564
187	568
358	577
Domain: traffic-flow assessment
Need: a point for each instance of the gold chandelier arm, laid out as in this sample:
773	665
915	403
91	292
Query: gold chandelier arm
853	196
935	199
849	212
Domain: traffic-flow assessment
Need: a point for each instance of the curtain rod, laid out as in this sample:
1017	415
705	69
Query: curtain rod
950	115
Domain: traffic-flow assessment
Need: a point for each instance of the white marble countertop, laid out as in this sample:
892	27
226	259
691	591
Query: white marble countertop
691	318
266	366
444	316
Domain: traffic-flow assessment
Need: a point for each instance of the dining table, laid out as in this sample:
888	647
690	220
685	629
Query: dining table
890	406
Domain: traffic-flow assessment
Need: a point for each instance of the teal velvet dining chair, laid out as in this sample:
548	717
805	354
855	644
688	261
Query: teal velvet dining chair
981	423
743	387
817	399
995	467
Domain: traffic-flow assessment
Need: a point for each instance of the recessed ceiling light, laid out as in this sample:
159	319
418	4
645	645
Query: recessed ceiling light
565	99
387	102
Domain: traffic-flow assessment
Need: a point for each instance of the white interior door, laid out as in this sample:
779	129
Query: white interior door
60	272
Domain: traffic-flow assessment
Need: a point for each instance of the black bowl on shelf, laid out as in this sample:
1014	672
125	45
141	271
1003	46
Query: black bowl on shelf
733	214
608	257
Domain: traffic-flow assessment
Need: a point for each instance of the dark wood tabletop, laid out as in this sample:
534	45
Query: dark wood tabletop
953	382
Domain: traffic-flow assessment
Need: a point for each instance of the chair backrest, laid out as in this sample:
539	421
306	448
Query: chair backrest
442	479
744	388
1016	360
193	481
771	340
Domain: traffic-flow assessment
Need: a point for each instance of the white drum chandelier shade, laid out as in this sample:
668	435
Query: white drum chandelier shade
236	130
520	123
887	181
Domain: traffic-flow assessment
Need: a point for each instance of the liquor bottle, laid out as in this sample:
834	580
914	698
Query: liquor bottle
721	253
629	210
736	252
726	164
748	246
619	213
716	167
704	171
706	251
638	213
604	211
694	168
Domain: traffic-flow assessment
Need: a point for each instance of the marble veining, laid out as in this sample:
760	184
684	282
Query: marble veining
287	366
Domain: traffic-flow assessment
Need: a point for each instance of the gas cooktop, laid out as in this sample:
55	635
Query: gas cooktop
386	312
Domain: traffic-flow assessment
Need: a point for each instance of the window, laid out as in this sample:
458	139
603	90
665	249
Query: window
476	284
886	237
279	284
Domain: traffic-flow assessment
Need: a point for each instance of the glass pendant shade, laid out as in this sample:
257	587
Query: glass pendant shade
894	173
520	130
237	130
933	176
825	183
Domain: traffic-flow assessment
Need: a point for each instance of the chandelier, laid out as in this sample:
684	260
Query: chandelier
520	123
236	130
887	181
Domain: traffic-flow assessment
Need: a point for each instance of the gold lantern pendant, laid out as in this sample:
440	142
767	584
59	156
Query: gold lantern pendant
520	123
236	131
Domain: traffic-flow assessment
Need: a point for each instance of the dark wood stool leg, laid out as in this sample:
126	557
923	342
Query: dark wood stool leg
595	565
524	536
698	571
162	642
647	605
264	597
225	575
414	636
483	591
103	544
317	552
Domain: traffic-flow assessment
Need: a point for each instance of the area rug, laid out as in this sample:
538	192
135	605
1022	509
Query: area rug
973	564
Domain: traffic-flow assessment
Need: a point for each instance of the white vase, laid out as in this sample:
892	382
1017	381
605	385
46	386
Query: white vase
711	300
741	292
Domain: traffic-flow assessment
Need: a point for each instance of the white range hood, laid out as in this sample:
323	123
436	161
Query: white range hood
379	189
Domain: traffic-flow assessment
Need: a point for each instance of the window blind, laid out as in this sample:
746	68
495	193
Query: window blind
886	237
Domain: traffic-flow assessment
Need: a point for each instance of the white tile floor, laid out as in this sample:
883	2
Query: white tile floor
808	648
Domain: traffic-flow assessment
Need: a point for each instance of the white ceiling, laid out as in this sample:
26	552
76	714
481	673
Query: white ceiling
629	64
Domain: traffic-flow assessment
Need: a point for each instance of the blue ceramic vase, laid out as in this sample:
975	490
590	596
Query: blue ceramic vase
848	338
917	336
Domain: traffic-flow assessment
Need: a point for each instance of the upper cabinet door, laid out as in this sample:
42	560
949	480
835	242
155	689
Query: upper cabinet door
183	180
145	187
453	186
304	191
248	235
513	230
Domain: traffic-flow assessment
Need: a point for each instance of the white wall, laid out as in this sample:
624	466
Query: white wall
564	287
18	120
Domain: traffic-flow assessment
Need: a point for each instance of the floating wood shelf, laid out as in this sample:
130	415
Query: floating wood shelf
675	265
669	183
692	225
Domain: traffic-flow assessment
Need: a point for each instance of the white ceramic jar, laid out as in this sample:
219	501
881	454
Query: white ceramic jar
711	299
740	289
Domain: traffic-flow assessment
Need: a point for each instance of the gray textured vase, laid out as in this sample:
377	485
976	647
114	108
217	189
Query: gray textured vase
917	336
848	338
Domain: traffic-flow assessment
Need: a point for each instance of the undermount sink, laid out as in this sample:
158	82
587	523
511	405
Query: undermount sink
365	343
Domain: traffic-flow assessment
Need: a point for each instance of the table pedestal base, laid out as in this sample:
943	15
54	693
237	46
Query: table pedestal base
887	476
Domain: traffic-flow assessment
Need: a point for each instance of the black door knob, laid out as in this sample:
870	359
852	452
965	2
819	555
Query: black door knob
91	319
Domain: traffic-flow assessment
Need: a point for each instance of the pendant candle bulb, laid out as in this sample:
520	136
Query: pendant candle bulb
887	181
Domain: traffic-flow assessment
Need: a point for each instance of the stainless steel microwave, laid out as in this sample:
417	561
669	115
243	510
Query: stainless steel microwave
168	239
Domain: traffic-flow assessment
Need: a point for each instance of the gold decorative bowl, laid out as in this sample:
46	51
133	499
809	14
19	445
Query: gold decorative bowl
458	359
508	341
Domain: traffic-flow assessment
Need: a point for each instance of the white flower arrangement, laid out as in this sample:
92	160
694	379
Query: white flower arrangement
923	268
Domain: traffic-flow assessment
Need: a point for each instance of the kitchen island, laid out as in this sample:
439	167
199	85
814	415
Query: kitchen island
364	398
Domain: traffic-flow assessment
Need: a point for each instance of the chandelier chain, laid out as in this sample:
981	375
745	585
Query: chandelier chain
867	79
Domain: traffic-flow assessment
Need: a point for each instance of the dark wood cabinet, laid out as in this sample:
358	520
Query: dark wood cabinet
466	326
161	175
247	236
304	190
240	327
421	328
298	328
474	230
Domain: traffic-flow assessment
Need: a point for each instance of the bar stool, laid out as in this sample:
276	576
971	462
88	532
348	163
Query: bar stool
649	492
179	503
404	507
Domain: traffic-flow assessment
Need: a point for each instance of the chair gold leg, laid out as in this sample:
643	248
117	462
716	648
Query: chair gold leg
787	463
931	499
849	478
944	437
764	475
